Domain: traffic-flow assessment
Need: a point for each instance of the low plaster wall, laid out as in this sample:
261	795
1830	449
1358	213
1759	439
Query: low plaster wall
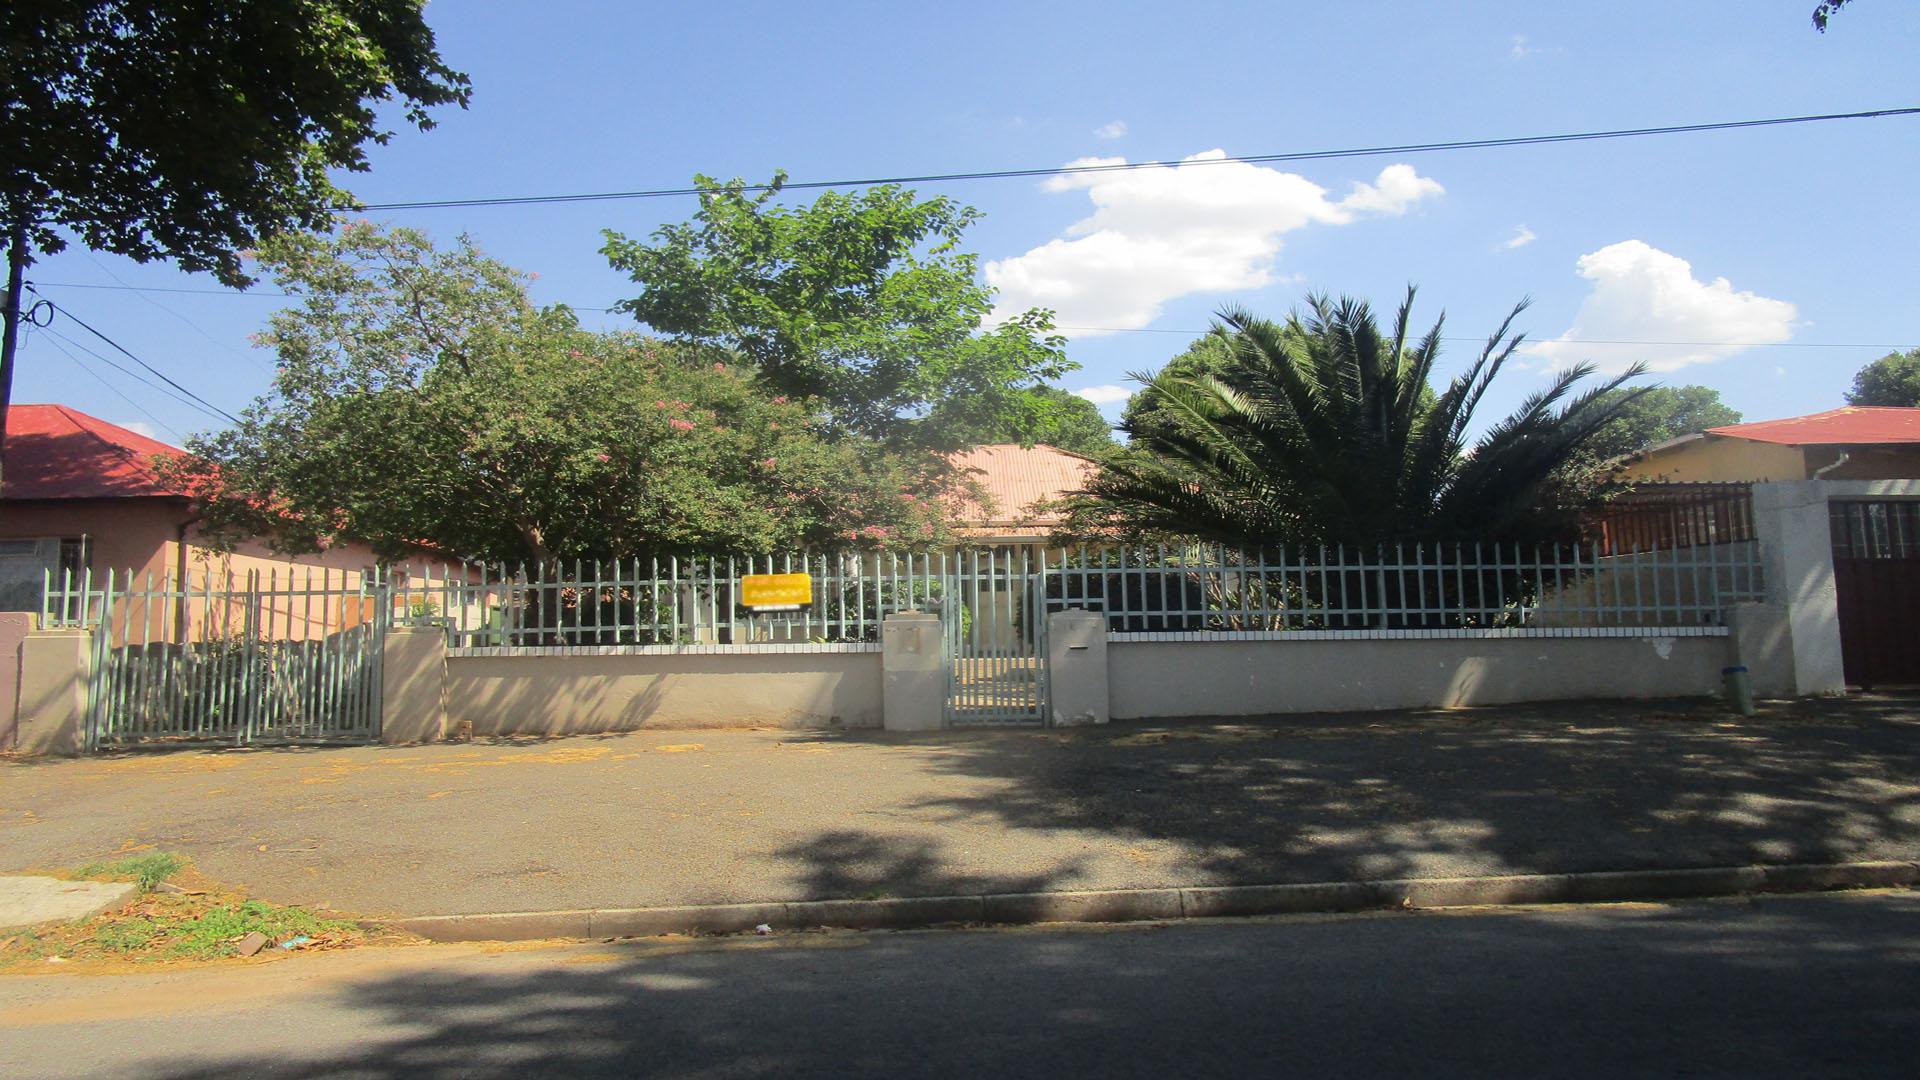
506	694
1246	678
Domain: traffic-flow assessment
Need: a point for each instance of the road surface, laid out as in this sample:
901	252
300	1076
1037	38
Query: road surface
1803	986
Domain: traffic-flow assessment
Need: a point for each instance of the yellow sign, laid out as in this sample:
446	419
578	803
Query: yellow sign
776	590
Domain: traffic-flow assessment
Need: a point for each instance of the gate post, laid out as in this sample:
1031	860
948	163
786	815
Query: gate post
1796	542
56	667
413	677
1077	668
915	670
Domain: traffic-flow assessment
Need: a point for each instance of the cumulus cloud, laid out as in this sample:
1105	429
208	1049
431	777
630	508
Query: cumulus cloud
1642	294
1104	395
1521	237
1205	225
1114	130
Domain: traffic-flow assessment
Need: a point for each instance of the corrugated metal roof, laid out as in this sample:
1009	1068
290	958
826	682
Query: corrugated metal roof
1014	478
56	452
1852	425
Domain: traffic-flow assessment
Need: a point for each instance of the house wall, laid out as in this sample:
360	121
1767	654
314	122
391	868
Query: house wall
1719	460
1149	679
536	692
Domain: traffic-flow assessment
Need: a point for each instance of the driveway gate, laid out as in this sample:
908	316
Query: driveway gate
993	604
1876	578
239	662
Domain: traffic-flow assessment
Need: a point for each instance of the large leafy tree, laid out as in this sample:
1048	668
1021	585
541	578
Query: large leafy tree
1059	418
1894	379
423	400
1655	414
188	129
1323	429
860	300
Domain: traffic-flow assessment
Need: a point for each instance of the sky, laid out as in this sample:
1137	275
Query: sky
1769	264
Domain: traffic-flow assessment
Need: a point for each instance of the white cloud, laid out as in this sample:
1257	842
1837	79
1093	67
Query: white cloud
1642	294
1156	234
1114	130
1104	395
141	427
1521	237
1520	50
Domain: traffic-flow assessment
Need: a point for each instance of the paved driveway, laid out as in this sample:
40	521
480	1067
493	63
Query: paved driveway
716	816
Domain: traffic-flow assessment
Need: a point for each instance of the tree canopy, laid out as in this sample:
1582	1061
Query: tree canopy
1894	379
423	400
1058	418
1323	429
1655	414
860	300
190	129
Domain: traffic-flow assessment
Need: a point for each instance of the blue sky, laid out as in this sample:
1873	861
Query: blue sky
1771	243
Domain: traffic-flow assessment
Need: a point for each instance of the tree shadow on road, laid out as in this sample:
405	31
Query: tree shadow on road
1703	989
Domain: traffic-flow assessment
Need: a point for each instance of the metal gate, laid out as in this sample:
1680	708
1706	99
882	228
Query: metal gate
262	660
1876	577
993	603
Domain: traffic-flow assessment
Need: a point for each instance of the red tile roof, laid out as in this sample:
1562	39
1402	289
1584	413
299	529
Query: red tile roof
1853	425
1014	478
54	452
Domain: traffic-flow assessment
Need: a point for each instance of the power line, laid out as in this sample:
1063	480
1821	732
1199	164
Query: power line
142	409
123	350
1139	329
123	287
196	327
1550	341
1076	170
183	399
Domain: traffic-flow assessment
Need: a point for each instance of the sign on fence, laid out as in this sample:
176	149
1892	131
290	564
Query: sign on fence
776	592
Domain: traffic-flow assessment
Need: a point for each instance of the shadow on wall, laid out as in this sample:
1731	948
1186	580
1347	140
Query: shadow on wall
1532	789
559	695
13	633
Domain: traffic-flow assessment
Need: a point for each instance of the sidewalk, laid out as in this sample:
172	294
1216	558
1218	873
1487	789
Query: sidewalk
701	817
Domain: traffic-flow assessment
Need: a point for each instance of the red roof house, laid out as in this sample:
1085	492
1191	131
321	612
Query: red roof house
1016	484
1852	443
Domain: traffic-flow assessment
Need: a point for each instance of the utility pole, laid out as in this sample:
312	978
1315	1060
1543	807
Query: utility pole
16	279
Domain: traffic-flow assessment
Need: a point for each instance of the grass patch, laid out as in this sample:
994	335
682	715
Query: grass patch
148	870
193	920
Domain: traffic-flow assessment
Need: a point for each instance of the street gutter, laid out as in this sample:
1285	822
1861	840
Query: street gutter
1136	905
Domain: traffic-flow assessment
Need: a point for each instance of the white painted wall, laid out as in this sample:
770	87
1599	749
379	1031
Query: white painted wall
1249	678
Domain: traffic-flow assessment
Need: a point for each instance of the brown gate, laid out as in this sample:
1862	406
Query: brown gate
1876	575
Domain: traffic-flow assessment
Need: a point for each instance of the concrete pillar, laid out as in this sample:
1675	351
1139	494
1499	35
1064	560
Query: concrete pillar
413	684
55	667
915	666
1762	640
14	628
1076	668
1796	543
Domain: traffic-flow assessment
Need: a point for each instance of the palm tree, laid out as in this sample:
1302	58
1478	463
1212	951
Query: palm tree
1324	430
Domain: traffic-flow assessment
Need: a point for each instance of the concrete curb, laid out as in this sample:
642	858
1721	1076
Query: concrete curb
1136	905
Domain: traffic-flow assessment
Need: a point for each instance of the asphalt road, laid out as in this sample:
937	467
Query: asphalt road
1801	986
700	817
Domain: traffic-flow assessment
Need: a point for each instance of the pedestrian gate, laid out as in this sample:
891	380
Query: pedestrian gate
994	608
1876	578
259	660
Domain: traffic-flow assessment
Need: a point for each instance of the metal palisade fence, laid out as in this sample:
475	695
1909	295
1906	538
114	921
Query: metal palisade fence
282	655
1165	588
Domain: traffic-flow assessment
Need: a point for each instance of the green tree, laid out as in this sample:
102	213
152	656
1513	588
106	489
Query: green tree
1894	379
1060	418
422	399
190	129
1656	414
1824	12
1324	430
859	300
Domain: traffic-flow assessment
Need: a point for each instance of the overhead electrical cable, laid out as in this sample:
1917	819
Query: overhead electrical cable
1127	166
